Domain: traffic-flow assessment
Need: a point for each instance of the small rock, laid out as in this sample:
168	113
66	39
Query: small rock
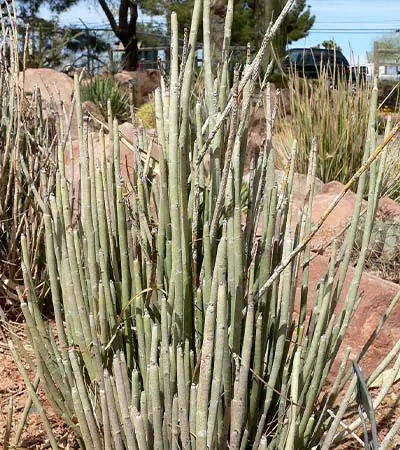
145	83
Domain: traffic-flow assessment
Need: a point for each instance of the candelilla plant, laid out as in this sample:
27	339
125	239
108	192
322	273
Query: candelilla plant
176	319
27	140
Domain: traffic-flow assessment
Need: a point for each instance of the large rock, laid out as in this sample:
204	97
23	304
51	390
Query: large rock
338	218
299	186
342	214
145	83
298	194
377	295
126	155
54	86
389	209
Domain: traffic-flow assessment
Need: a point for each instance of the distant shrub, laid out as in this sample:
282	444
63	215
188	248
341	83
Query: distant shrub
147	115
100	90
337	117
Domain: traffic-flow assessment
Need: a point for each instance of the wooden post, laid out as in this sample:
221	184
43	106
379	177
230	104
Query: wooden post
376	59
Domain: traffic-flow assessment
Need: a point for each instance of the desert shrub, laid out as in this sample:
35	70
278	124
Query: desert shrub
100	90
337	117
146	114
175	309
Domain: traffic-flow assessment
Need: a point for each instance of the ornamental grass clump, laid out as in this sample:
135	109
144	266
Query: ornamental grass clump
100	91
337	114
177	325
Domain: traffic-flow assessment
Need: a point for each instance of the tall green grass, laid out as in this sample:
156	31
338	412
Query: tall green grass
337	116
101	90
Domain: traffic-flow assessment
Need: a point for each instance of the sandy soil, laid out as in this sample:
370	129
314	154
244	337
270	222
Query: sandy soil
11	384
34	436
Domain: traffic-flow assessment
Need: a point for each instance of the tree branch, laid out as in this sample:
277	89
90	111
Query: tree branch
110	16
133	19
123	14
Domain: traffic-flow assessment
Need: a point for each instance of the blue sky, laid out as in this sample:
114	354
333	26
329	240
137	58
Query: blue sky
357	23
354	24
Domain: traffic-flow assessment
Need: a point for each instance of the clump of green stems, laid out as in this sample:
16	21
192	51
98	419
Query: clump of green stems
337	114
27	146
391	186
100	91
175	311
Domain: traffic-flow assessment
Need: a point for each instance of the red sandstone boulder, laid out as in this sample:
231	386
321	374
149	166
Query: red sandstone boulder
54	86
342	214
126	156
145	83
338	218
389	209
377	295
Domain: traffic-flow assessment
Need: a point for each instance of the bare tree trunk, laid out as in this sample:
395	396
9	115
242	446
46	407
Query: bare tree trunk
125	30
218	11
129	41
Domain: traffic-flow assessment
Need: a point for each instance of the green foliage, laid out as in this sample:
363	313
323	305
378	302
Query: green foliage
51	45
299	21
259	13
250	20
337	117
29	8
151	34
387	42
244	29
330	44
100	90
182	8
47	45
83	41
155	8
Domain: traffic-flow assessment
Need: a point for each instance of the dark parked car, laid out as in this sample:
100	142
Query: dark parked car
310	62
